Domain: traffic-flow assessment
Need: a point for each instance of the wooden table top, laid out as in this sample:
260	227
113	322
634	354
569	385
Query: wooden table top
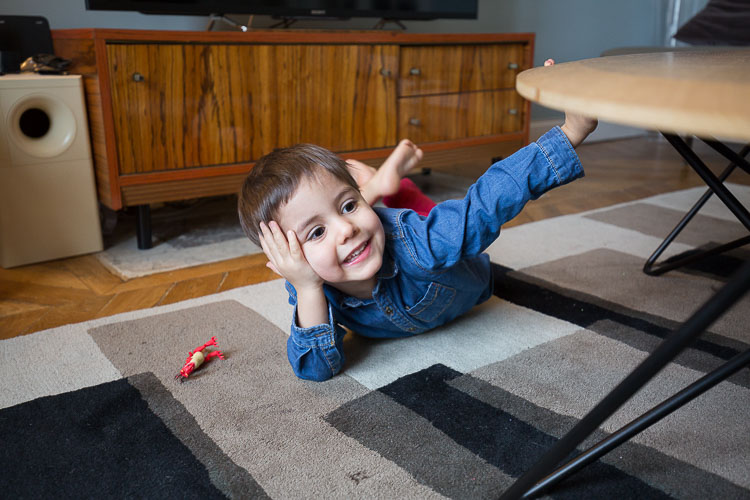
701	92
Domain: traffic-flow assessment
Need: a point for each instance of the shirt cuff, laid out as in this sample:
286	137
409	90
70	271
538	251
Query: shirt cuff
561	155
314	336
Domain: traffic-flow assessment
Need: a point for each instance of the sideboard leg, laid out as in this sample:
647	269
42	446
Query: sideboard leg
143	226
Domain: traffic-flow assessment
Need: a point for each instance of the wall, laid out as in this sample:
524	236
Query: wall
565	30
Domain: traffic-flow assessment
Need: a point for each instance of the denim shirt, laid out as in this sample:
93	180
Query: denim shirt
433	267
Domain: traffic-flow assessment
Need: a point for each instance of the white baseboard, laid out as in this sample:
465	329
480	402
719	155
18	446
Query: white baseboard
604	132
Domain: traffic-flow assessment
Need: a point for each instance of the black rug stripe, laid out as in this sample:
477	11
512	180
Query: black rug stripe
719	267
231	479
584	310
501	439
673	475
97	442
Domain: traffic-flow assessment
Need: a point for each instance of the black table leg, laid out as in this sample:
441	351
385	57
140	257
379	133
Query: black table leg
666	352
716	186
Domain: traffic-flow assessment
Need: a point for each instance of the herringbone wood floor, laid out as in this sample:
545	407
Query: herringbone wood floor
46	295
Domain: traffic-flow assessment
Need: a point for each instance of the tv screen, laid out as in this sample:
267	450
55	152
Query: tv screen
388	9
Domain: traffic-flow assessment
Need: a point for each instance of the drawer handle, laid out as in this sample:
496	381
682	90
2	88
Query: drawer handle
385	72
415	121
137	77
513	111
512	66
415	71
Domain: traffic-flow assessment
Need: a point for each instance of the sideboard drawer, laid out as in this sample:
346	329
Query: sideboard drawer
179	106
440	69
455	116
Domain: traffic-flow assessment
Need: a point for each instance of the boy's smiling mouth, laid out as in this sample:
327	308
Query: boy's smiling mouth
358	254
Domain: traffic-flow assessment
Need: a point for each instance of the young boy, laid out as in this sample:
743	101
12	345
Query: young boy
385	272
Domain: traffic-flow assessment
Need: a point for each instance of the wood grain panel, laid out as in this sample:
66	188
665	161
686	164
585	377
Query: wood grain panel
437	69
181	190
79	51
83	55
456	116
201	105
98	139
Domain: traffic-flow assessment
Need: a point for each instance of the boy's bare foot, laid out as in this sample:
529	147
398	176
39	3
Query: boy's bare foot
576	127
362	172
385	181
404	158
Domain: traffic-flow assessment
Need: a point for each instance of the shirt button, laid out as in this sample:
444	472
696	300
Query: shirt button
388	311
411	329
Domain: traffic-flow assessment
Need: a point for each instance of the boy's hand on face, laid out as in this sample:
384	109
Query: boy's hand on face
285	257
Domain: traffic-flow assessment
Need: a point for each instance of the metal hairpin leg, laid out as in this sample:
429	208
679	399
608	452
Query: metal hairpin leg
716	186
529	484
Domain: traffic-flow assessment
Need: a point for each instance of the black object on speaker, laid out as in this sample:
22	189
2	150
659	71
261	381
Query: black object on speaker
22	37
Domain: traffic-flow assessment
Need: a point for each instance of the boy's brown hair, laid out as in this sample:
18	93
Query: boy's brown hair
275	178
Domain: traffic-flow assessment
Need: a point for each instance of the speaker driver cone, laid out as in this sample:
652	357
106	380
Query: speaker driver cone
41	125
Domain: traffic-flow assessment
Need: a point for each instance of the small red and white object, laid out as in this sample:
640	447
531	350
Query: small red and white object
197	357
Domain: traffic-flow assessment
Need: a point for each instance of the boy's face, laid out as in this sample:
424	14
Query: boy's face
341	236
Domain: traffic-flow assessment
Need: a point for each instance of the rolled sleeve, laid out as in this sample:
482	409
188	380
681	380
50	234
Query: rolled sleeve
316	353
561	156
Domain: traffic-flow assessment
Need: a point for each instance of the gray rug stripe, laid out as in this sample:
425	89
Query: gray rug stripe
692	357
689	358
227	476
617	277
391	430
673	476
659	221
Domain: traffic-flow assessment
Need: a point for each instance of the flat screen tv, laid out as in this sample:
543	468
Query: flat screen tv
387	9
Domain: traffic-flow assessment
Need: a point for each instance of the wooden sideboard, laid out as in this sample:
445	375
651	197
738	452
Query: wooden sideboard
175	115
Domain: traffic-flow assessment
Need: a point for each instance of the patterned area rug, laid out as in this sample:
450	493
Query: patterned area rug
93	408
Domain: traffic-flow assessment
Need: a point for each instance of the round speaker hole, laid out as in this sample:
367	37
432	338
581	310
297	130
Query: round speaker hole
34	123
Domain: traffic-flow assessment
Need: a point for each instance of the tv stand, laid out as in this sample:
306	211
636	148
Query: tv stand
380	25
284	22
177	115
212	18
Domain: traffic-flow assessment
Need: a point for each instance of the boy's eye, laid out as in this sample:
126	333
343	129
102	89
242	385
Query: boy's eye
349	206
316	233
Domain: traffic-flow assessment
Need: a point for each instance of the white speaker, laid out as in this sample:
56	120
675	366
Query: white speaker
48	205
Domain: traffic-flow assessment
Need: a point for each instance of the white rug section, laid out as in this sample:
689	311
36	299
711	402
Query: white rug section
714	207
490	332
51	362
127	261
